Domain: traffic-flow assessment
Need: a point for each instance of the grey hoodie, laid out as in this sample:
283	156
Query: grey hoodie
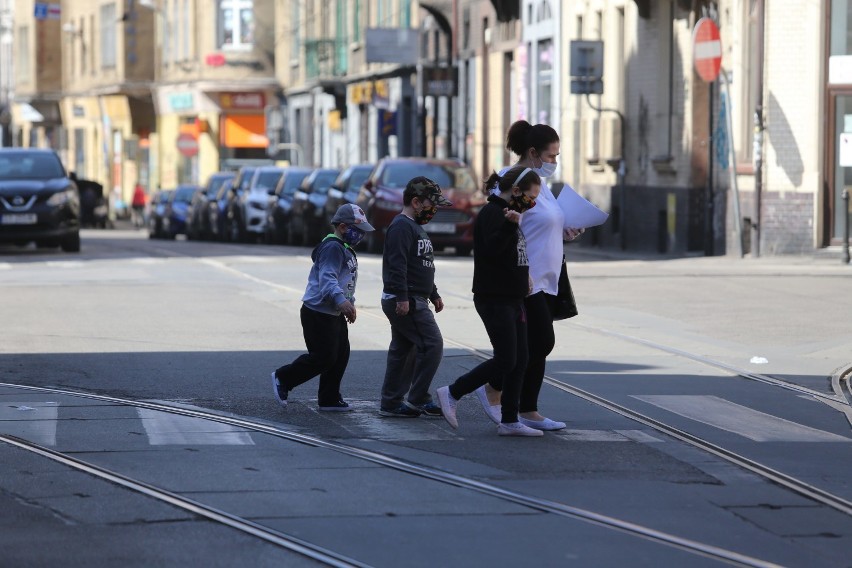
333	276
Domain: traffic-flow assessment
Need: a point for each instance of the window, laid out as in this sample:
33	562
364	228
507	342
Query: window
356	21
294	50
236	24
23	63
545	80
108	44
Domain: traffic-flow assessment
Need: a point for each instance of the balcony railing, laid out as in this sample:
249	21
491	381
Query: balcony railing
325	58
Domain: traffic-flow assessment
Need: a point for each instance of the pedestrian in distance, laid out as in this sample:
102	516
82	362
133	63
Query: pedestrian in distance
501	281
408	276
138	204
537	147
327	305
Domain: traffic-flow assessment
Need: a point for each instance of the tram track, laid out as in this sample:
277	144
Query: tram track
329	557
796	485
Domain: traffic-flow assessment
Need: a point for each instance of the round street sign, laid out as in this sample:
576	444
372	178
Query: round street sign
187	145
707	49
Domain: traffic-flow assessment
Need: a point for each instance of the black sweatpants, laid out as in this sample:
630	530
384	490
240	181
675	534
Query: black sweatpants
506	324
327	340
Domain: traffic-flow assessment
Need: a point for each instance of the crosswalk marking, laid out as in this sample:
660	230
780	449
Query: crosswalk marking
746	422
164	429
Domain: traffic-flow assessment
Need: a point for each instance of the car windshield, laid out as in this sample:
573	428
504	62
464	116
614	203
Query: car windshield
20	165
445	175
184	194
357	179
266	181
245	178
215	185
292	182
323	181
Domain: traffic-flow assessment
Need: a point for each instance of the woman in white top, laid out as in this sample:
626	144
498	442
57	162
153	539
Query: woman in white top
537	147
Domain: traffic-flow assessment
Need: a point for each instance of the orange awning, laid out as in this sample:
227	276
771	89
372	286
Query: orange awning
244	131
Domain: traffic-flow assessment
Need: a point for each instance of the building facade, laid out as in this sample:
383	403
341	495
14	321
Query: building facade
161	92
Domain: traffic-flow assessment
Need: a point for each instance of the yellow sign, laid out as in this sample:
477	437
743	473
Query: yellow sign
368	92
334	123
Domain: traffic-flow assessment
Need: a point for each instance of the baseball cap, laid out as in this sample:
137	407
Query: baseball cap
425	188
351	214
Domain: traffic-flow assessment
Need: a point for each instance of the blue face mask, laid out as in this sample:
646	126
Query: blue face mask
352	236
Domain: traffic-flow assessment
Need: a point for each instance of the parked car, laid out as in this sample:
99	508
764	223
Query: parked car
198	217
345	188
38	201
254	201
218	208
280	205
381	199
307	220
235	228
159	203
171	212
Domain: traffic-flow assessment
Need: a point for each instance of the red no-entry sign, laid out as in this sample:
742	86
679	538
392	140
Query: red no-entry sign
707	49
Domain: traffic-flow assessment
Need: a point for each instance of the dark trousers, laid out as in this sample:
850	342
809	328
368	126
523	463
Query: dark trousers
506	324
541	340
414	354
327	340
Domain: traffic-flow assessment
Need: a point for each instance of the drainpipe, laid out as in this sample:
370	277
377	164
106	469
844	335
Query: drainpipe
758	131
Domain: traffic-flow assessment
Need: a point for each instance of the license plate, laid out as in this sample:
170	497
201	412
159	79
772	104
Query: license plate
19	219
440	228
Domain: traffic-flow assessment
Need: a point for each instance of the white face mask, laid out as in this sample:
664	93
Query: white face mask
547	169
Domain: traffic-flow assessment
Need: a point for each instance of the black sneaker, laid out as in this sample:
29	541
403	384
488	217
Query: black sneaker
430	410
401	411
339	406
279	390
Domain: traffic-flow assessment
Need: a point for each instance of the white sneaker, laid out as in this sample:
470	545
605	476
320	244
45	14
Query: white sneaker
448	405
494	411
546	424
517	429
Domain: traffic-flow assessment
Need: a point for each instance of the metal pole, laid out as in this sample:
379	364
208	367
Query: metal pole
732	166
708	194
845	197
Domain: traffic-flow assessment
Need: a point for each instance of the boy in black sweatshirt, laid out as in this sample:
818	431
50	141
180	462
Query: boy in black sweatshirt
408	275
501	281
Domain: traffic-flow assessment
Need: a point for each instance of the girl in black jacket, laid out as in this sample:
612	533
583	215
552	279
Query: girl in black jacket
500	283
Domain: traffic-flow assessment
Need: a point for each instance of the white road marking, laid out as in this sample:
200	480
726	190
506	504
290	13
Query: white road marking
32	421
164	429
5	265
64	263
365	418
746	422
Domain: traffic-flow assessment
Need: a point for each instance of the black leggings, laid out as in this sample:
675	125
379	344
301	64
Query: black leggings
505	322
540	341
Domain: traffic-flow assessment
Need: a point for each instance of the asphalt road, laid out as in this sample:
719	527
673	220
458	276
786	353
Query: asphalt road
739	353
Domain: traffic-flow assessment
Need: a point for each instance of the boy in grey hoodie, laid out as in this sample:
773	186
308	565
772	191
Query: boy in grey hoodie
328	303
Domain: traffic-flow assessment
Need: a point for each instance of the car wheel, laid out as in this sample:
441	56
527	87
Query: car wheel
71	243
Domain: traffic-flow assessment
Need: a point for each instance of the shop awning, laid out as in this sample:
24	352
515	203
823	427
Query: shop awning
244	131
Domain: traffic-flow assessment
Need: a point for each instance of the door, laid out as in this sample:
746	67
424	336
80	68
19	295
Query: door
840	176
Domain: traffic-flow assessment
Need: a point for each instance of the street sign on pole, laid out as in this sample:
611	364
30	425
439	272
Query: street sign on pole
707	49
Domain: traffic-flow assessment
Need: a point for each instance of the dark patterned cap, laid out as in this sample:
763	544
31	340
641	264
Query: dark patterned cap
425	188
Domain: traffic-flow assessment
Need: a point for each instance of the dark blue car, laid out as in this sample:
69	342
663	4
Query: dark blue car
175	211
281	205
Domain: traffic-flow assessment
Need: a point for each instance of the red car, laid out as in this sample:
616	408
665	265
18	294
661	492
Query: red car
381	199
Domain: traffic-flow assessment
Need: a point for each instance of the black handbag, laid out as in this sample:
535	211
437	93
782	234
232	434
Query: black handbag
564	307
